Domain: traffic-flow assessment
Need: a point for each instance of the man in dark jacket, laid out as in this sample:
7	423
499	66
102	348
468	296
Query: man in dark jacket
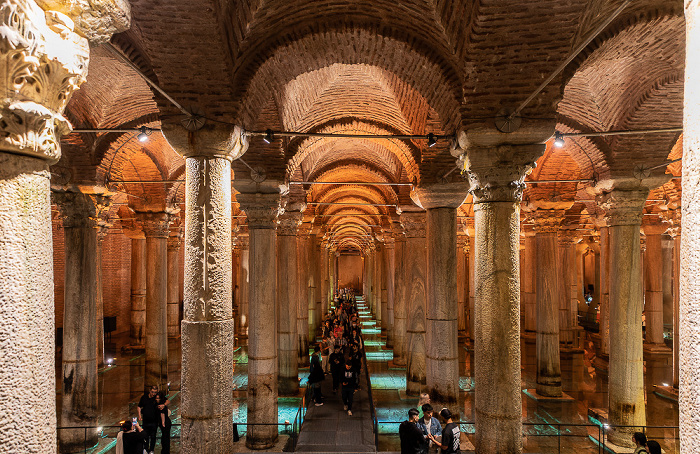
412	439
316	376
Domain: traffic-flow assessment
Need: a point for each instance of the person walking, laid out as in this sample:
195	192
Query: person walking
148	415
412	439
449	444
316	376
350	385
337	360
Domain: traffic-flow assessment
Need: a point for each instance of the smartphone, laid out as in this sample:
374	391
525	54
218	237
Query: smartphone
134	421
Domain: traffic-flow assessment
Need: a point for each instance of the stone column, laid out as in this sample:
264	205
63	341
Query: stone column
323	257
261	211
303	301
469	229
389	268
604	322
156	227
45	59
568	288
138	291
100	312
528	283
442	361
173	279
207	325
689	305
81	214
382	270
675	233
400	304
496	175
626	404
653	287
379	305
461	275
287	301
415	262
312	265
243	285
547	287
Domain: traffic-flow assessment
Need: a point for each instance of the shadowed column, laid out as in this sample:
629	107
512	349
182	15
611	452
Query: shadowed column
400	304
173	292
303	295
287	300
653	286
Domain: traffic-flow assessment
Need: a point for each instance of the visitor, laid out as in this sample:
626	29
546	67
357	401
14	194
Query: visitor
449	444
148	414
640	443
430	425
350	385
412	439
133	438
337	361
423	399
653	447
164	423
316	376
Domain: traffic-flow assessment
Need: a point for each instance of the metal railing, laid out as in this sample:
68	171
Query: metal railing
373	413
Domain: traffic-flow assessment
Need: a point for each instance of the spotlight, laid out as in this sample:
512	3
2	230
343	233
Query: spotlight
431	140
269	136
664	384
558	139
143	135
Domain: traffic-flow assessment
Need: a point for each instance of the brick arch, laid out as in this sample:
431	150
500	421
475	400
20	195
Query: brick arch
437	81
555	164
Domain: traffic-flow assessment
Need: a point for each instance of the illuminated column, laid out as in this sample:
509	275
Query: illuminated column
380	307
469	230
80	214
303	301
496	175
675	232
442	355
311	264
389	265
528	282
460	271
400	304
323	257
261	211
568	289
653	286
604	323
626	404
287	301
156	227
100	312
243	285
45	59
207	326
173	292
689	314
415	262
138	290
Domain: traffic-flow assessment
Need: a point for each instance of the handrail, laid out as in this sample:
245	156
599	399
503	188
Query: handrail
375	423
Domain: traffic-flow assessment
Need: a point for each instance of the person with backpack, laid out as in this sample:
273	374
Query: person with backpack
640	441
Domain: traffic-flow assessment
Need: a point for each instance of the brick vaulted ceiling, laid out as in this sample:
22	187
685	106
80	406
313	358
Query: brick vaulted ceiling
377	67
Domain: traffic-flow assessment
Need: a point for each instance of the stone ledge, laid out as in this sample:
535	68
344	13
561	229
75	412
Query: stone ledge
532	394
657	349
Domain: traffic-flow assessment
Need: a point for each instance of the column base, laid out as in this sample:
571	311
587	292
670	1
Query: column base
261	441
530	337
657	349
287	386
549	390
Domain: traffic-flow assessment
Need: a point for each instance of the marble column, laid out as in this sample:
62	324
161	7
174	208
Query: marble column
689	305
496	175
415	263
461	275
389	268
653	286
207	326
100	312
675	233
45	56
547	287
137	333
568	288
442	355
626	404
80	214
380	304
303	301
156	227
323	258
469	229
528	279
262	211
173	279
287	301
243	285
312	265
400	304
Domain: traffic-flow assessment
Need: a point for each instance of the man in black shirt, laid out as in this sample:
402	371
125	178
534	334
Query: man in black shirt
412	439
150	416
133	438
450	435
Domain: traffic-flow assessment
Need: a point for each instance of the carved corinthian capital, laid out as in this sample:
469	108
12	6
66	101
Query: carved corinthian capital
260	209
82	210
44	60
289	223
413	224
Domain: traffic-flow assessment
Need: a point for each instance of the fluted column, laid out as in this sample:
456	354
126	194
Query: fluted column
415	262
496	175
400	299
442	356
261	211
547	284
626	404
80	214
287	301
689	310
653	286
156	227
389	268
207	325
173	279
303	308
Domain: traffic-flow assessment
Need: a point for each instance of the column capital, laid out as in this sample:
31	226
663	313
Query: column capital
547	220
623	207
45	56
497	174
446	195
568	237
79	209
289	223
242	241
261	209
175	237
413	223
304	229
155	224
674	219
654	225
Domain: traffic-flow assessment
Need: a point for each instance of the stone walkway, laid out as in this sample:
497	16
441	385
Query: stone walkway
329	428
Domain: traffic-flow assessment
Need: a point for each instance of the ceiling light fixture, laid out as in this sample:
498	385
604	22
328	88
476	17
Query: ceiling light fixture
432	140
143	135
558	139
269	136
